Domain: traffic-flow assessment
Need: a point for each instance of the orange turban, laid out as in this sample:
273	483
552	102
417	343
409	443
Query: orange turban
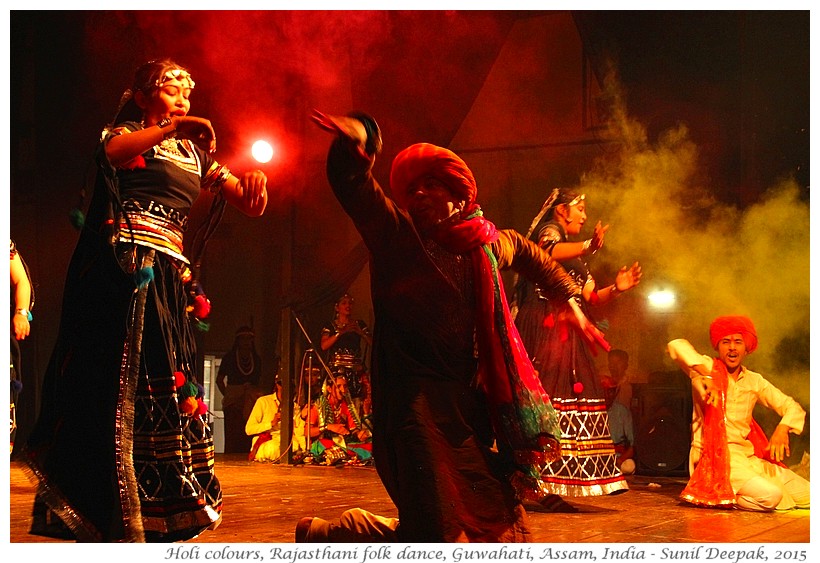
424	159
724	326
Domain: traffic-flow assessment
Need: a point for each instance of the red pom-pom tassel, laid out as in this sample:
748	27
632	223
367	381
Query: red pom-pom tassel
578	387
201	307
179	379
202	409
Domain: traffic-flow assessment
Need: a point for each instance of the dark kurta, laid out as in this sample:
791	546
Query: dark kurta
432	433
241	394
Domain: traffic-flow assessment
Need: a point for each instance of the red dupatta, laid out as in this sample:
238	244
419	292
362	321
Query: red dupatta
522	414
710	483
263	437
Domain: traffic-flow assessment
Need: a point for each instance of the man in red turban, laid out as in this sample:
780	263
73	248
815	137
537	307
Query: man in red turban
731	462
724	326
425	160
449	373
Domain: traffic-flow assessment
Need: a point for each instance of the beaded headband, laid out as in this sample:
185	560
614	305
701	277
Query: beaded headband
176	74
343	297
577	200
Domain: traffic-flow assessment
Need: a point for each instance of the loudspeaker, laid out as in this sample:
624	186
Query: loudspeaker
664	430
662	446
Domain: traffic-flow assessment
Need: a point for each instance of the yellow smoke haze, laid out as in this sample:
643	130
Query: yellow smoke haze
718	259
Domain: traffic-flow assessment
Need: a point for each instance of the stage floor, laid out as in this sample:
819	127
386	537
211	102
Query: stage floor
263	503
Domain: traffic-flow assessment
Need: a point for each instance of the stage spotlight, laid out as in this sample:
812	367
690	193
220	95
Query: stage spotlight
661	299
262	151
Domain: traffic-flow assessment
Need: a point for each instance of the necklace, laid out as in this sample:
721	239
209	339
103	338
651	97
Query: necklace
171	147
339	325
245	367
174	150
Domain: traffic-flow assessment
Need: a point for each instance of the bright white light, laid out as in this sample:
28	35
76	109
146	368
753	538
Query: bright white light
262	151
661	299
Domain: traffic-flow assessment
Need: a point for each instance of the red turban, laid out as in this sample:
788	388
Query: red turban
423	159
724	326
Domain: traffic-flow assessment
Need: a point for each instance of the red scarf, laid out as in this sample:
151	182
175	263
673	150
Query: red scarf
263	437
522	415
710	483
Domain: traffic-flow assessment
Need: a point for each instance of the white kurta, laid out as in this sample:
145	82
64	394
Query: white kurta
741	396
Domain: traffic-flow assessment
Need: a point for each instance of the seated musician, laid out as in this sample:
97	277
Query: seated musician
337	433
263	426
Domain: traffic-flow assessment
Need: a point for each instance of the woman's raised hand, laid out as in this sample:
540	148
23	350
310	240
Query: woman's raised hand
254	193
597	241
196	129
627	278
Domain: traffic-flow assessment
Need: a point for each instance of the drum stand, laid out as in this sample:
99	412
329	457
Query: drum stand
309	354
308	398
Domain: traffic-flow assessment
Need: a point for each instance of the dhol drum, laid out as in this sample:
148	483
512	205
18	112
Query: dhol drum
346	359
348	364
